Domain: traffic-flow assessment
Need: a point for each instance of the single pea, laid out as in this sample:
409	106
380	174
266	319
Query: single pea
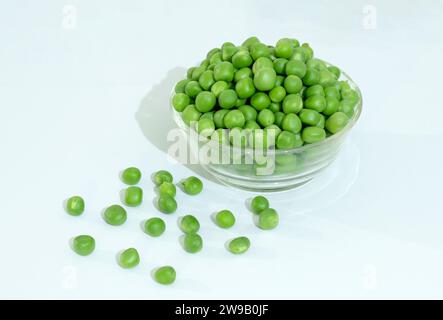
242	73
260	50
165	275
279	118
166	203
258	204
189	224
295	67
192	242
219	116
129	258
279	65
234	118
167	187
224	219
218	87
83	245
292	103
293	84
321	123
274	107
288	140
284	48
260	101
238	136
299	54
205	127
347	107
268	219
224	71
336	122
277	94
292	123
327	78
295	43
228	51
316	64
239	245
241	59
180	101
162	176
115	215
189	72
192	89
212	52
310	117
206	79
240	102
317	103
131	175
180	86
313	134
248	112
190	114
264	79
312	77
250	41
265	117
251	125
332	92
350	94
216	58
245	88
309	53
227	99
262	63
336	71
205	101
133	196
208	115
154	227
332	105
279	81
75	206
315	90
197	72
192	185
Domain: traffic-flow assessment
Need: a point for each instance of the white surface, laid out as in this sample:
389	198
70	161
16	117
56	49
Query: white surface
370	227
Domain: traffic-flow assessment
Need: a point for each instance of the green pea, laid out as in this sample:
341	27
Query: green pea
327	78
180	86
292	103
115	215
189	224
313	134
205	127
162	176
154	227
196	73
293	84
192	89
295	43
234	118
75	206
167	187
206	79
224	219
265	117
332	92
349	94
228	51
332	105
316	64
292	123
189	72
275	107
279	65
259	203
205	101
262	63
295	67
279	81
261	139
165	275
131	175
238	136
245	88
212	52
166	203
315	90
227	99
310	117
250	41
219	87
260	101
336	122
268	219
240	102
309	53
243	73
251	125
224	71
192	185
284	48
279	118
219	118
239	245
275	130
180	101
259	50
264	79
317	103
208	115
299	54
83	245
286	140
241	59
347	107
336	71
216	58
192	242
133	196
129	258
277	94
248	112
190	114
312	77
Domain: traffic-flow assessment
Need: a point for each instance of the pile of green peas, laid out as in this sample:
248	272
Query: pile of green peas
254	87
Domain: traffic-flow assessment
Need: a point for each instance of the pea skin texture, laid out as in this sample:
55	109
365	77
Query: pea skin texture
258	204
75	206
165	275
192	185
189	224
131	175
192	243
239	245
224	219
115	215
133	196
166	203
154	227
83	245
129	258
162	176
268	219
167	187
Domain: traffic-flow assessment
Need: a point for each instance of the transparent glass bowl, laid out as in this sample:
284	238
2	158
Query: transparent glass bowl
289	168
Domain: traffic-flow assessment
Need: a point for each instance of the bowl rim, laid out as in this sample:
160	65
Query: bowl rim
358	110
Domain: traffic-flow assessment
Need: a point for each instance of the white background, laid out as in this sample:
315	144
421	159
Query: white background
81	102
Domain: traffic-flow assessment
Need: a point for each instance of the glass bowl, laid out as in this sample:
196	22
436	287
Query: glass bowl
274	170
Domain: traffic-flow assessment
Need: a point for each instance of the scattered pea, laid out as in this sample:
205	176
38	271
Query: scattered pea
83	245
115	215
165	275
166	203
224	219
167	187
268	219
154	227
129	258
258	204
131	175
162	176
133	196
75	206
189	224
192	185
239	245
